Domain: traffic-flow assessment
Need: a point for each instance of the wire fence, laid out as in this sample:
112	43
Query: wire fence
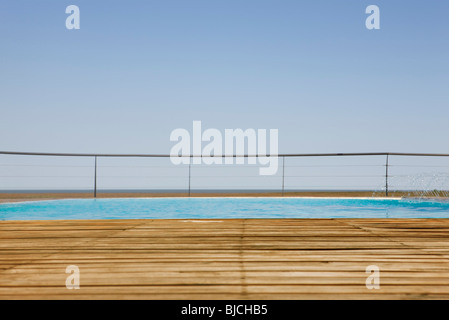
383	173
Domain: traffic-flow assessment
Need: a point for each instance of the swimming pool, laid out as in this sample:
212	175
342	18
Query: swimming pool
223	208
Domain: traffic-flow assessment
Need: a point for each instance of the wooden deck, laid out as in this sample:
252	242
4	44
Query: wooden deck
225	259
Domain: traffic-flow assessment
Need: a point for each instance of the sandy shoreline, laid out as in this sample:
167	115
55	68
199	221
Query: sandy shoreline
19	197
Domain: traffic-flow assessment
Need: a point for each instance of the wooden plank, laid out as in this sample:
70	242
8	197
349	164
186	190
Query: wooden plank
225	259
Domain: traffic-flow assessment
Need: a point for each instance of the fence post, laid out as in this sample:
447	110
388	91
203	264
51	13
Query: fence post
95	178
386	176
283	175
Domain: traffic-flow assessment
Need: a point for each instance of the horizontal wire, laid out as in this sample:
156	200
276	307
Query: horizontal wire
233	176
185	188
31	177
90	167
418	166
336	166
43	166
224	166
215	166
208	176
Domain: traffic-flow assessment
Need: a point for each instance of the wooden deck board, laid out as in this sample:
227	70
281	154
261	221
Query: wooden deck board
225	259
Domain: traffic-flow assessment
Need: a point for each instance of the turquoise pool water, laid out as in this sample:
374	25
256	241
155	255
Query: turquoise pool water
223	208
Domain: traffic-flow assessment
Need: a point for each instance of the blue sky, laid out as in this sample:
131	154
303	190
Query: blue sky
136	70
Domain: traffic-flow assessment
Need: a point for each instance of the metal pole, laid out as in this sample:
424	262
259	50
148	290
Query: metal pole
386	176
283	176
190	168
95	179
